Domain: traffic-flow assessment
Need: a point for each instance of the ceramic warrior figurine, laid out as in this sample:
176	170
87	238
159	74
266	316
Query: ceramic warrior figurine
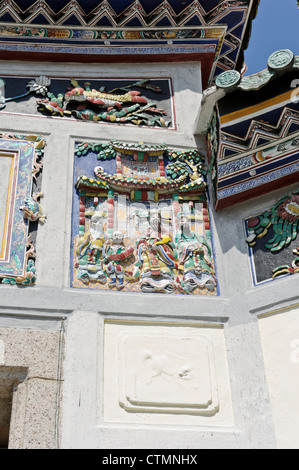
89	250
194	255
157	259
114	254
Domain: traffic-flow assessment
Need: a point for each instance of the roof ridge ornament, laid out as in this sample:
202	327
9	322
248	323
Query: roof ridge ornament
279	62
228	79
281	59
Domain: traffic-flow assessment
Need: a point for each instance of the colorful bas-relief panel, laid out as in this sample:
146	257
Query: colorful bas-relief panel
140	220
20	210
140	102
272	237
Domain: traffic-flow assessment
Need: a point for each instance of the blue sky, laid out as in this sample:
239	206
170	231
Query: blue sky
275	27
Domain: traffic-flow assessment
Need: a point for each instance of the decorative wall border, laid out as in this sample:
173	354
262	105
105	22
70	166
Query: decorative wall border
17	265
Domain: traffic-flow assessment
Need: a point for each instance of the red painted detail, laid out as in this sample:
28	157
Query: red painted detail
253	222
138	99
75	92
134	93
161	167
96	101
143	195
121	256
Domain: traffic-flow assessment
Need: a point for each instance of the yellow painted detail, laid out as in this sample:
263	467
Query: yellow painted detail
255	108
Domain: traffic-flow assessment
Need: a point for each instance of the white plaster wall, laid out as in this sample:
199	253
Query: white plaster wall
280	342
248	418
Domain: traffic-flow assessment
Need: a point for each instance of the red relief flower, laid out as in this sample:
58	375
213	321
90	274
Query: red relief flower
289	209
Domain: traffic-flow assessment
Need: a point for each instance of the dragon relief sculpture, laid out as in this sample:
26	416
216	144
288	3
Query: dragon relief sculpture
121	105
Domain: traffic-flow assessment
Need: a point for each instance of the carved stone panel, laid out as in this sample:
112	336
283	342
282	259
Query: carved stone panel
178	376
165	373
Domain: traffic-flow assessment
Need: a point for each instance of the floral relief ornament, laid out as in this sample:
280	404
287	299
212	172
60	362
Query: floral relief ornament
39	85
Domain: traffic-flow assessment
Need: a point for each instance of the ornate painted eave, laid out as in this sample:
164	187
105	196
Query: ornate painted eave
176	171
123	184
258	116
214	33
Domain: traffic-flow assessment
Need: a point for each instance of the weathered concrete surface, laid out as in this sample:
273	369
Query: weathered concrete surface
30	387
